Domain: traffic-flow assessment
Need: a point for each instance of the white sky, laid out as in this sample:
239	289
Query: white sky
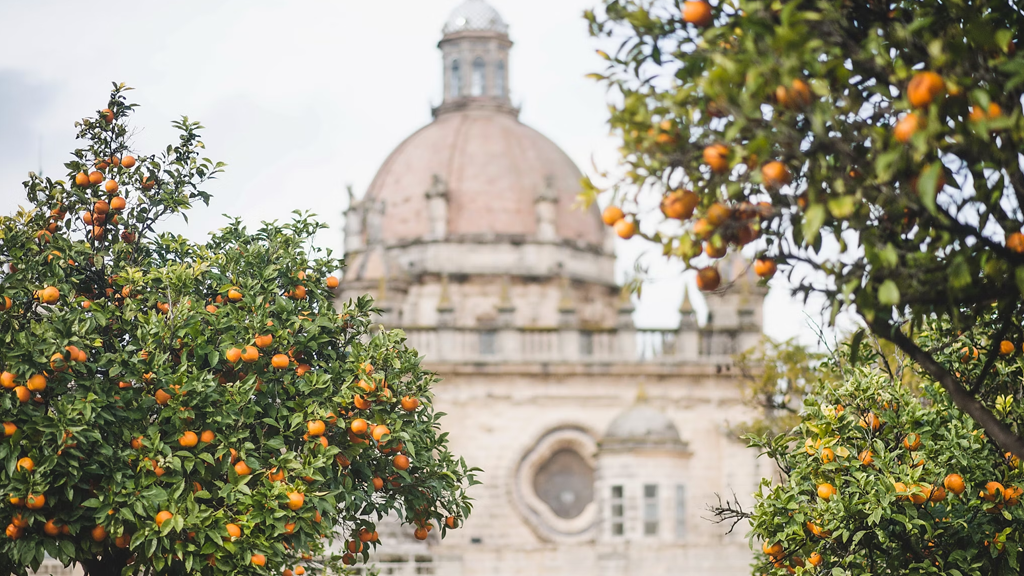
300	98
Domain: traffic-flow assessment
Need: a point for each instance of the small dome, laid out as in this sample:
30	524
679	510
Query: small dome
642	426
475	15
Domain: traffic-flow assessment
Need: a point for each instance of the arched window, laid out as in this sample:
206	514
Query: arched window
499	80
479	77
456	84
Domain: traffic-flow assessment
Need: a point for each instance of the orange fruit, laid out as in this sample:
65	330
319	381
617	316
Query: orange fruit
409	403
708	279
137	442
99	534
81	179
333	282
289	528
449	522
22	393
828	455
250	355
679	204
234	295
13	532
421	533
968	354
95	177
765	267
9	429
717	157
7	380
625	229
188	439
148	183
906	127
775	174
117	202
358	426
912	441
25	464
611	215
299	571
937	494
296	500
36	383
123	540
276	474
280	361
259	560
316	427
401	462
1006	347
992	490
826	491
110	186
379	432
233	355
264	341
955	484
128	162
163	516
207	436
715	251
870	421
919	494
378	483
234	530
697	13
718	214
299	292
924	87
162	397
1015	242
107	115
360	402
242	469
49	295
51	528
35	501
1012	495
814	559
866	457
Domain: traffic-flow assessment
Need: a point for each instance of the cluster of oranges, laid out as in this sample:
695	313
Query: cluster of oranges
107	209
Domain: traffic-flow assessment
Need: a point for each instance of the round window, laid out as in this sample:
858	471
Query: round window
565	482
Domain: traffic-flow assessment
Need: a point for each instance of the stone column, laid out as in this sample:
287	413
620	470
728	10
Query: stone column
626	330
546	208
437	209
568	325
446	345
509	342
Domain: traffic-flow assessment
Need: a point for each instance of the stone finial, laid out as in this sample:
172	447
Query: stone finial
687	316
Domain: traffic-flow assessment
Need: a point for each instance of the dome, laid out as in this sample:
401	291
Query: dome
475	15
493	168
644	426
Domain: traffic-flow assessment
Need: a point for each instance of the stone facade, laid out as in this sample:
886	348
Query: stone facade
601	443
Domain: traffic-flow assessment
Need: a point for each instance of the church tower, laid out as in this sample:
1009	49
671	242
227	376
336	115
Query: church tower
469	239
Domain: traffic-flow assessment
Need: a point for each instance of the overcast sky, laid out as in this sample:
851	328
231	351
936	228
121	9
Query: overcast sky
300	98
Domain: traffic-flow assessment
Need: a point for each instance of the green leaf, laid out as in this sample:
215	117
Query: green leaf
813	220
888	293
842	207
927	186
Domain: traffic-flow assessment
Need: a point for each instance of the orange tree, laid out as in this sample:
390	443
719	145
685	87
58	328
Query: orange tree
877	480
870	148
174	407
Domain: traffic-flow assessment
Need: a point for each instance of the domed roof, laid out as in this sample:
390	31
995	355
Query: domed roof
475	15
493	168
642	425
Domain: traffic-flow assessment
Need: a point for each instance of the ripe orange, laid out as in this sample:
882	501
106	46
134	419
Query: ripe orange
137	442
234	295
826	491
333	282
276	474
9	429
163	516
378	483
409	403
128	162
123	540
299	571
234	530
36	383
1015	242
242	469
25	464
814	559
148	183
920	492
906	127
775	174
280	361
22	393
912	441
289	528
81	179
679	204
358	426
250	355
401	462
969	353
717	157
715	251
207	436
13	532
697	13
110	186
924	87
7	380
828	455
992	490
51	528
1006	347
625	229
708	279
870	421
188	439
421	533
938	494
259	560
866	457
316	427
611	215
95	177
117	202
718	214
35	501
379	432
360	402
765	267
233	355
955	484
296	500
162	397
1012	495
5	303
99	534
449	521
107	115
49	295
264	341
